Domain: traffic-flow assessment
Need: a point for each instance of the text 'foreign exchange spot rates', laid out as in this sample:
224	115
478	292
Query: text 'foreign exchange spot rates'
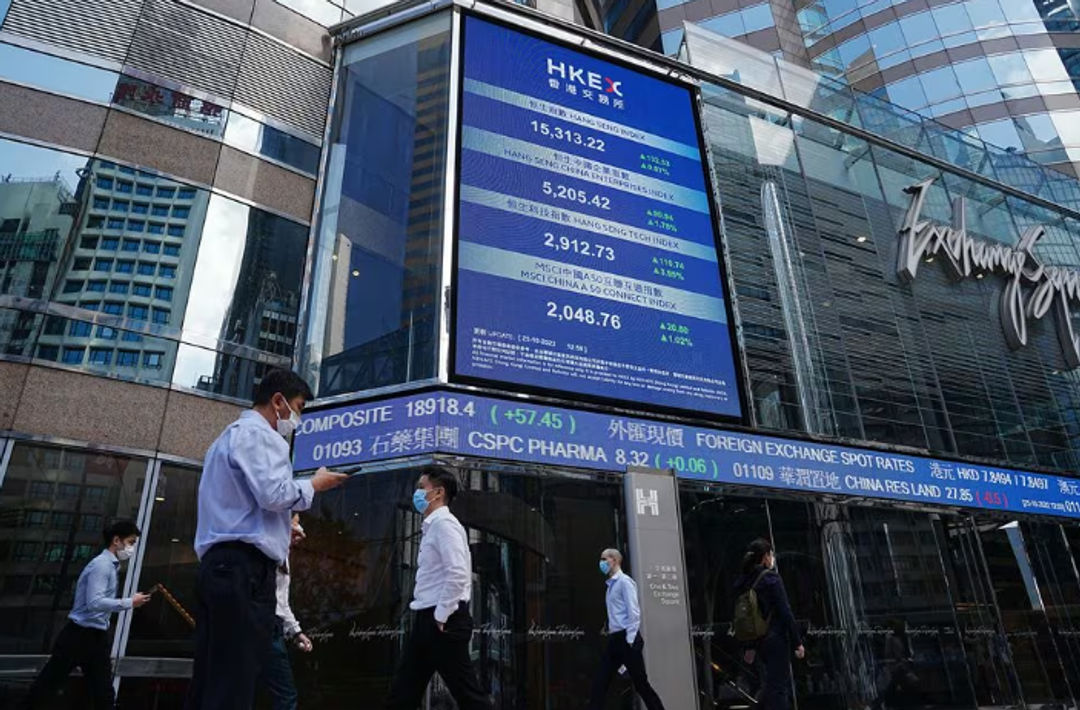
586	251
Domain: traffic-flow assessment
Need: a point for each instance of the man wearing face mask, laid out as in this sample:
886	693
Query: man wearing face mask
84	641
442	626
624	644
246	497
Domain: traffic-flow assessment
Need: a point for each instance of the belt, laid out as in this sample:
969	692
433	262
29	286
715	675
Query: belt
245	547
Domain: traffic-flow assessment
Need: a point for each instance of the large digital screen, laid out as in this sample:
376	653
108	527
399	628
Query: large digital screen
586	253
467	425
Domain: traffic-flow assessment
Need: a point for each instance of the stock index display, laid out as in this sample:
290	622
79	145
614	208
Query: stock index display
586	250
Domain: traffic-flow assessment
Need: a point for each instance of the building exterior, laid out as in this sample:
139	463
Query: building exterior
1003	71
338	189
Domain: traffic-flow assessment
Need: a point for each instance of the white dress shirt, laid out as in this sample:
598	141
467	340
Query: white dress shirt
623	613
444	566
289	624
247	492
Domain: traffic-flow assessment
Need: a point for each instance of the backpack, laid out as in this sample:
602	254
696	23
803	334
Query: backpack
749	624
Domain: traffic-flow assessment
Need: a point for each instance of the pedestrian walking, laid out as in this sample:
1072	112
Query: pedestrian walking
625	644
441	624
246	497
277	675
84	640
779	637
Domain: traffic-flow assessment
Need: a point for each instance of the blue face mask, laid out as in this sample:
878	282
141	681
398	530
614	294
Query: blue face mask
605	567
420	501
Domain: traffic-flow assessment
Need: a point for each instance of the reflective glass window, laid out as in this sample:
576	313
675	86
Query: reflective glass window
169	560
952	19
55	74
1010	68
118	287
95	286
1000	133
31	616
672	40
73	355
144	190
908	93
730	24
1067	126
887	39
1046	65
985	13
250	135
166	191
242	250
160	210
136	225
141	289
919	28
140	208
975	76
855	51
757	17
174	107
1018	11
124	186
376	287
186	193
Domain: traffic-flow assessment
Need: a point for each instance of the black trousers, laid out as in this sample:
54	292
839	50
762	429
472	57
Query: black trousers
428	650
620	653
76	646
234	625
775	654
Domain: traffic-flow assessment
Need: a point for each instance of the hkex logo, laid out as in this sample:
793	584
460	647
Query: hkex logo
588	79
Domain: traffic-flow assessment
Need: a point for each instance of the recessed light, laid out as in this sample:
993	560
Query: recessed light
159	499
175	539
860	240
355	272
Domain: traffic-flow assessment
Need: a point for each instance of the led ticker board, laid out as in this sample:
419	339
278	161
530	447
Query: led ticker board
586	253
521	431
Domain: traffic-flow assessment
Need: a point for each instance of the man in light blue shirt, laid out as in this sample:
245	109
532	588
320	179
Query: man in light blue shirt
246	497
625	643
84	641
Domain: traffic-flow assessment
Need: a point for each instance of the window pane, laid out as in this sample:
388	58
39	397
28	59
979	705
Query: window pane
93	487
374	307
249	269
248	134
169	559
173	107
55	74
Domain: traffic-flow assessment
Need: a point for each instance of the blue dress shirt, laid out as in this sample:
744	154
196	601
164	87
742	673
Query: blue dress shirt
623	613
95	593
247	492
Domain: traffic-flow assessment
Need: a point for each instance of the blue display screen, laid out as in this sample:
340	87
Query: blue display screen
586	246
454	423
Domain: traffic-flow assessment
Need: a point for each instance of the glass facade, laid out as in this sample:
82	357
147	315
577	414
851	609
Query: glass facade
1004	71
374	309
110	268
125	272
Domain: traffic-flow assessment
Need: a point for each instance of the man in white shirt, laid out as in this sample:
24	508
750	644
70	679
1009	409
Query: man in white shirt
442	626
277	673
625	643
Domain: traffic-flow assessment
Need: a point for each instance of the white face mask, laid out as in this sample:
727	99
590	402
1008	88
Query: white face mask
125	553
286	427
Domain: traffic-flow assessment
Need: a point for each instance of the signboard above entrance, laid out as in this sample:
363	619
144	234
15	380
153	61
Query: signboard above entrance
514	430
